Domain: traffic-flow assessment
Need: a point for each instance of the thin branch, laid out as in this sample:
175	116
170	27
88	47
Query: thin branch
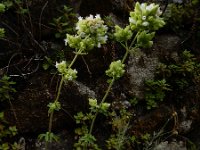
40	20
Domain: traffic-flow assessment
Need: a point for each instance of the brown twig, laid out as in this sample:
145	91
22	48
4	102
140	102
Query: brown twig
40	20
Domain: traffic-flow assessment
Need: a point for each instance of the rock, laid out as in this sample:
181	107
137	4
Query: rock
194	135
171	146
148	123
31	104
167	46
142	67
185	126
84	90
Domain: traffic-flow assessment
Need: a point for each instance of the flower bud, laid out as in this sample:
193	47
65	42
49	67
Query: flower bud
116	69
122	35
61	66
146	17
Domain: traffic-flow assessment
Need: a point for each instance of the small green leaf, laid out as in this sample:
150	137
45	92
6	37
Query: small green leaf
45	66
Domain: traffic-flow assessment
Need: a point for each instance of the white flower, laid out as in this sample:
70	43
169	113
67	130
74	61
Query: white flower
80	18
105	27
144	17
75	71
90	17
57	64
89	29
77	27
82	34
65	40
62	63
61	66
150	7
97	16
104	38
145	23
70	74
142	6
131	20
70	78
159	12
99	45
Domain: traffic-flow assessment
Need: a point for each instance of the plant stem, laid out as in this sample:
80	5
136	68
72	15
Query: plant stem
58	95
128	48
14	113
126	54
131	45
74	59
102	101
113	80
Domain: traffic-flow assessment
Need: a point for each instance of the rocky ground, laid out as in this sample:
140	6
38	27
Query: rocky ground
30	41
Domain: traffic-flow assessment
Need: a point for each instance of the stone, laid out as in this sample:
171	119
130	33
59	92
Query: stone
143	66
31	104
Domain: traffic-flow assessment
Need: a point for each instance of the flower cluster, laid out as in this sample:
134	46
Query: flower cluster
91	32
54	106
68	73
122	35
146	17
101	108
144	39
116	69
144	20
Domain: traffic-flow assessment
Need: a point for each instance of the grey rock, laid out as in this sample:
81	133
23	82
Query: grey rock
32	102
142	67
170	146
84	90
185	126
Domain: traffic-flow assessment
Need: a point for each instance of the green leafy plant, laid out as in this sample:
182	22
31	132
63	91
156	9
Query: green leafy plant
48	137
64	23
6	88
19	4
91	33
2	33
6	91
2	7
155	92
83	119
143	22
177	14
7	132
183	73
87	140
5	5
120	125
